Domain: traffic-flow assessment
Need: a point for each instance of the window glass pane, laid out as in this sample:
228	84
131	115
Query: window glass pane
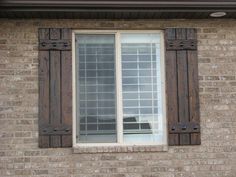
141	86
96	97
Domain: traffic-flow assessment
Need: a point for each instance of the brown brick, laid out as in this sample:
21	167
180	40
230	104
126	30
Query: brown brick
40	172
22	172
3	41
212	78
210	30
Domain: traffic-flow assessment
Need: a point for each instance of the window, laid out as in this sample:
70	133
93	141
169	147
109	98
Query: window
119	92
118	84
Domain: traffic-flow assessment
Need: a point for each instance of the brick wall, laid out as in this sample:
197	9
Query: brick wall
19	152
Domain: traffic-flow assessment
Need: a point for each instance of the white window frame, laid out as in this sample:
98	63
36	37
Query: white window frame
119	108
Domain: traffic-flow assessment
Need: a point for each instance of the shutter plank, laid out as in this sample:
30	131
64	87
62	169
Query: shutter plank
55	88
182	86
43	95
193	87
55	33
171	89
66	89
43	90
55	95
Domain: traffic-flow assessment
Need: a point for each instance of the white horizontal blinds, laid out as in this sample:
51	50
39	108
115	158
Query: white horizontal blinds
141	87
96	88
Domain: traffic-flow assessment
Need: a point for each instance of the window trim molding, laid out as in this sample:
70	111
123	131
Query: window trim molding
119	112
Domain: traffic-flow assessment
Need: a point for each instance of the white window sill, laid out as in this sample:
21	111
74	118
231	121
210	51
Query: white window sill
85	149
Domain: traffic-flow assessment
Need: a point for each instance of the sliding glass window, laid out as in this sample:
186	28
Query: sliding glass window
96	99
119	87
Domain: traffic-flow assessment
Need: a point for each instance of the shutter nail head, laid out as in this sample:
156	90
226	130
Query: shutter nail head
184	127
43	44
54	44
65	44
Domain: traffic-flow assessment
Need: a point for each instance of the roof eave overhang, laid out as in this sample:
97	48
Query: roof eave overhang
117	6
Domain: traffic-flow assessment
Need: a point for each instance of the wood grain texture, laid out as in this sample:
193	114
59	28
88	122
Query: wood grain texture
181	44
55	102
55	95
66	89
55	45
194	110
43	89
182	78
55	87
182	72
171	88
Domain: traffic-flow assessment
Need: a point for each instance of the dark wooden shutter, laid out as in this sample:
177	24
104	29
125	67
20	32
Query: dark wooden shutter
55	88
182	86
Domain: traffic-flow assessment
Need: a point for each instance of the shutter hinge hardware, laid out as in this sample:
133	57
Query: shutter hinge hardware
181	44
61	44
51	130
184	128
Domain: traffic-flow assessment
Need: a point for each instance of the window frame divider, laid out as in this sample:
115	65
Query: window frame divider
119	108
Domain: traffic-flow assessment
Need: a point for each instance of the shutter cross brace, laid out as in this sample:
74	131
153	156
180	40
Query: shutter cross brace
181	44
53	130
62	44
184	128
